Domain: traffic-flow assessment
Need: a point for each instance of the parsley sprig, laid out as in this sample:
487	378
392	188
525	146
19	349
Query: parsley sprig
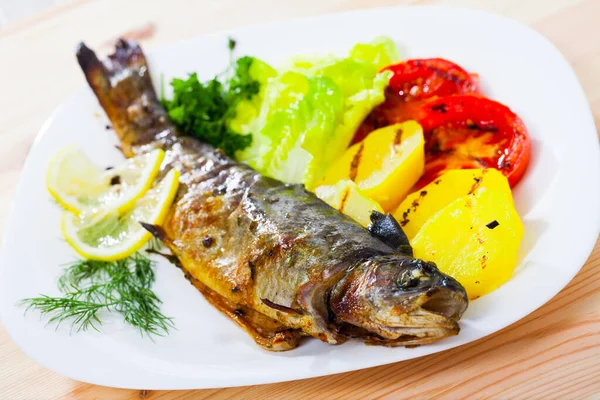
204	109
90	287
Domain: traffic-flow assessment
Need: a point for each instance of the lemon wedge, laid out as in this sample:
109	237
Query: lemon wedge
79	186
107	235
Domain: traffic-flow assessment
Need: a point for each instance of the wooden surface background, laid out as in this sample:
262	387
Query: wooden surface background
553	353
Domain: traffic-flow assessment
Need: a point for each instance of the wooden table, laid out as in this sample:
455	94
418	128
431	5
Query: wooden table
553	353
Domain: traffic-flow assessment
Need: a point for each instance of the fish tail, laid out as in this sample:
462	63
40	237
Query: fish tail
124	89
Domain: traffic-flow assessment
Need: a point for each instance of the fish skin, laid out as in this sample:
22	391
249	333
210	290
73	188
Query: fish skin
270	247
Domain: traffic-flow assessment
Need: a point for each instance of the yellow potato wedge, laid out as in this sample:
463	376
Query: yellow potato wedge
385	165
349	199
474	239
418	207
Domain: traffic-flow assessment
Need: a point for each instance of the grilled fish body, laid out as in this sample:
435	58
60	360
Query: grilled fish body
272	256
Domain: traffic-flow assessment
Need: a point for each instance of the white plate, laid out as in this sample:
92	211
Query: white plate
558	201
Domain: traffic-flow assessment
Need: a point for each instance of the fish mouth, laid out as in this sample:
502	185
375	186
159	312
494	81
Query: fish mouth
435	319
424	324
418	313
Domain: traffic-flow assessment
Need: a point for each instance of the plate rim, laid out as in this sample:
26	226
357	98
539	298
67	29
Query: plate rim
11	221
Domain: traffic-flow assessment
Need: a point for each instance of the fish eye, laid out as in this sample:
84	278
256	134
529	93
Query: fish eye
407	279
412	277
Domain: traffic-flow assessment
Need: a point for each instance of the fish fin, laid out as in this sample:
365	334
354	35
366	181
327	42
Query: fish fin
124	89
266	332
169	257
156	231
388	230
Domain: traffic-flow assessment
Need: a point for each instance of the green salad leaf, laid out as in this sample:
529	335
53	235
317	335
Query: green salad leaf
380	53
304	118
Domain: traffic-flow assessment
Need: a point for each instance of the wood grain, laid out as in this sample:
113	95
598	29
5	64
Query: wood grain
553	353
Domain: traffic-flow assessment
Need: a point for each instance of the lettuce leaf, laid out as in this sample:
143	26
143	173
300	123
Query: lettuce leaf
304	118
380	53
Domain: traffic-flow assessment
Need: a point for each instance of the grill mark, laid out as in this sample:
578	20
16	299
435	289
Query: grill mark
398	137
356	162
413	207
405	219
440	108
415	204
505	164
344	199
477	182
449	75
480	161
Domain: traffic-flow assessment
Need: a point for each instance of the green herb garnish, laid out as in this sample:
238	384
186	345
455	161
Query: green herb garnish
204	109
231	43
91	286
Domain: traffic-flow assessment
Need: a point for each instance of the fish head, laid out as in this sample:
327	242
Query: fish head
398	300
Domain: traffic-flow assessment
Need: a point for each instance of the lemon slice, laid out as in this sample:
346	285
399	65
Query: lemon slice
79	185
106	235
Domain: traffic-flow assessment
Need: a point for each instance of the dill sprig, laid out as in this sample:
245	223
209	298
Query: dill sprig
90	287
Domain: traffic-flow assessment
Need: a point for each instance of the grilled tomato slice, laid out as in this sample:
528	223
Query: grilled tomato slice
473	132
426	78
412	84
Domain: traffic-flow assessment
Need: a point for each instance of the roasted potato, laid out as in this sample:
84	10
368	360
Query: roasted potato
421	205
385	165
474	238
349	199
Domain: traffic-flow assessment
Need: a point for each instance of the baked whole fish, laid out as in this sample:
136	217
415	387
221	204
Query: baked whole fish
272	256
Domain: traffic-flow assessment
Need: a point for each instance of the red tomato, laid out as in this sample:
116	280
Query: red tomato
469	131
423	79
412	84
